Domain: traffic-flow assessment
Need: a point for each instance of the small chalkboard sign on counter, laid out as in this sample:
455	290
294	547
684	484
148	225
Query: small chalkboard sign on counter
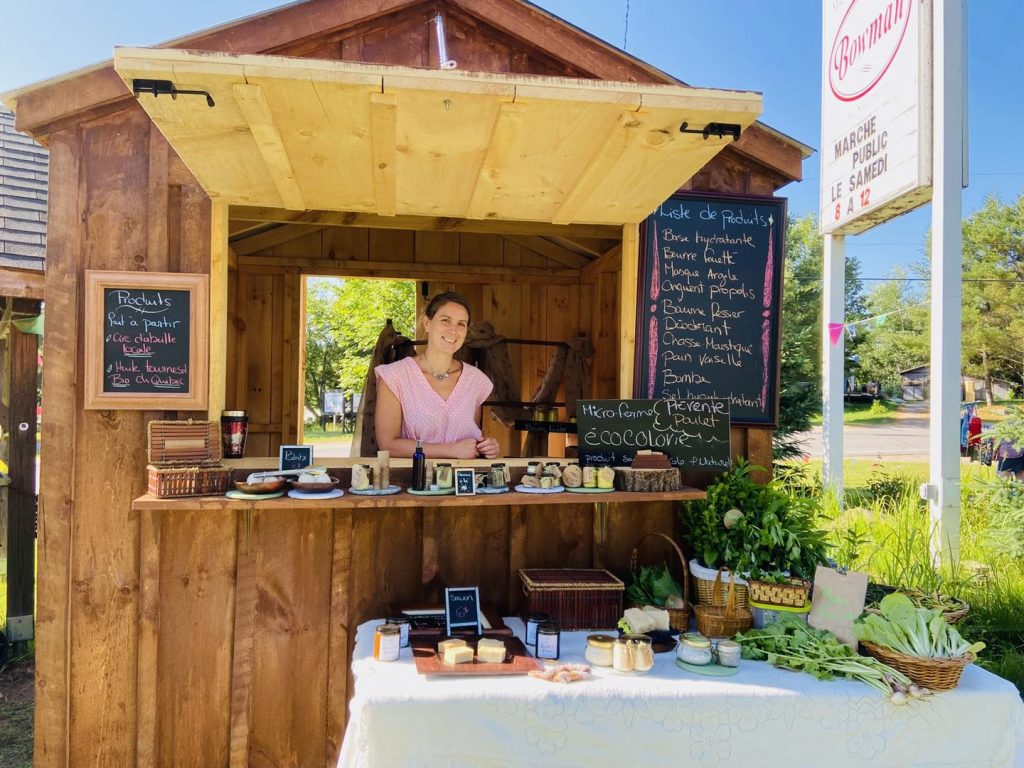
693	433
708	303
462	608
146	340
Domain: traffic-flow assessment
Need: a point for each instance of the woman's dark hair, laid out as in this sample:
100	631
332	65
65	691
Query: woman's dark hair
443	298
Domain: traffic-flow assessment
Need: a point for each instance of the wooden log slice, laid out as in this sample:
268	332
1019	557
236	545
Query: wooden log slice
647	480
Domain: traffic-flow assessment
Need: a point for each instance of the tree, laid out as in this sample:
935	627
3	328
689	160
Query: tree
993	292
800	360
899	338
343	320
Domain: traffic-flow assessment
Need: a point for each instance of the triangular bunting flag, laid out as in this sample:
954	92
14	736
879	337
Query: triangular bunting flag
835	332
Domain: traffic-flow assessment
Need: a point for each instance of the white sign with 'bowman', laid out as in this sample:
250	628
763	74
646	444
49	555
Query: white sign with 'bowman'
875	111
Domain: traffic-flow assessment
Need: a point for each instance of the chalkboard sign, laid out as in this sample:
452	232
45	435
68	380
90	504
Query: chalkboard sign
462	608
708	304
295	457
694	433
146	340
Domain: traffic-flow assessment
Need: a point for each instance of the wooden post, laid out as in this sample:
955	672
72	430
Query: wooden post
218	308
627	307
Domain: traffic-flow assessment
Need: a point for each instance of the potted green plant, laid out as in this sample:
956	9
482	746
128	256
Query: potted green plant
753	530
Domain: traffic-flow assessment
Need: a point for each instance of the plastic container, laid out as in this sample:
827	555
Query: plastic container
694	649
599	650
765	615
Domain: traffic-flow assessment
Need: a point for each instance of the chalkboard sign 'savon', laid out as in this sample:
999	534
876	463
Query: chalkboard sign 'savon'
325	138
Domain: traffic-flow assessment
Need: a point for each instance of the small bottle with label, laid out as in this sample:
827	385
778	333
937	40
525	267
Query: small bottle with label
533	621
419	468
549	638
387	642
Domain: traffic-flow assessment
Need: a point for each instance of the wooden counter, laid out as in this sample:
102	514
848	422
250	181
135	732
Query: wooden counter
250	607
404	499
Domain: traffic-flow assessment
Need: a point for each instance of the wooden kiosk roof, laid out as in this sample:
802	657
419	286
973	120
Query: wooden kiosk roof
327	135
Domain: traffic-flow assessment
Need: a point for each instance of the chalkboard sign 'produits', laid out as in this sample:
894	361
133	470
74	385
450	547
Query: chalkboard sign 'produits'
709	301
693	433
146	340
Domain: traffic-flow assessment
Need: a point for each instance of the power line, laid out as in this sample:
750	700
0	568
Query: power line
625	33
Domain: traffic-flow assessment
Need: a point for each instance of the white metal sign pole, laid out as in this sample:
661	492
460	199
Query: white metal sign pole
943	491
832	356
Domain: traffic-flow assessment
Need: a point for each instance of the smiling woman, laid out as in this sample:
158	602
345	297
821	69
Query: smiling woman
433	397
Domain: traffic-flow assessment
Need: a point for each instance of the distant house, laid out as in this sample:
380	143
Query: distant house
24	167
916	383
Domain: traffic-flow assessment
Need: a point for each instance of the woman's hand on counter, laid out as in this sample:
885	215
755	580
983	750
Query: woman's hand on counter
488	448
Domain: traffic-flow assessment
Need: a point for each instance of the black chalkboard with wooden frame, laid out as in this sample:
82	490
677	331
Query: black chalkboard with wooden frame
709	302
146	340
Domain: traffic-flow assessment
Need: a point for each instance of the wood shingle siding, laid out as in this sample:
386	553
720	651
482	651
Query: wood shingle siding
23	178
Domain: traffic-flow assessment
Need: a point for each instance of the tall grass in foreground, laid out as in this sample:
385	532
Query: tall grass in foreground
884	529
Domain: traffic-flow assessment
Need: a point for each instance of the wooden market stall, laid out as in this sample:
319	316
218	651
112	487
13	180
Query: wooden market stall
322	139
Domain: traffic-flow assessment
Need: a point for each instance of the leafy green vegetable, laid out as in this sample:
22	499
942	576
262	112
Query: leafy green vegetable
652	585
775	532
791	644
915	631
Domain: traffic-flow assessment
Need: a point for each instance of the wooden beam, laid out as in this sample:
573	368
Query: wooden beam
409	271
423	223
260	117
507	125
218	317
576	247
246	246
610	261
624	133
550	250
19	283
627	307
384	128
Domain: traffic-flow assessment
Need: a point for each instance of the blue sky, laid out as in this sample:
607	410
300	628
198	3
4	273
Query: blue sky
771	46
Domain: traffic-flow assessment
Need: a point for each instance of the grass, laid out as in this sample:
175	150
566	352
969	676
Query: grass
877	412
884	529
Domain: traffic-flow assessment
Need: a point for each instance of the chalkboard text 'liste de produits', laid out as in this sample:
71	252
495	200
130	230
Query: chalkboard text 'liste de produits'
145	340
709	302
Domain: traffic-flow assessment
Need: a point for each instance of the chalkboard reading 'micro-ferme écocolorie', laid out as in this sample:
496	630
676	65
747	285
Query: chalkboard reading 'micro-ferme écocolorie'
693	433
709	301
145	340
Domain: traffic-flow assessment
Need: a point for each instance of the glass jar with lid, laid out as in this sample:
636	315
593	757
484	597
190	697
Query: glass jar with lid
695	649
599	650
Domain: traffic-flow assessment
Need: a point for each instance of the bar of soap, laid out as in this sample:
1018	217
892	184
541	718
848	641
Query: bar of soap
492	654
459	654
605	477
454	642
489	641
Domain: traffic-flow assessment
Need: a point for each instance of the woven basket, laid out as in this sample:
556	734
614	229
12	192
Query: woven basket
792	594
723	620
576	598
704	579
933	674
678	618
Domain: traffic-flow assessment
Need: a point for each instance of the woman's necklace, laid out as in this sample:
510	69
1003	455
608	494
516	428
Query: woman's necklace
444	374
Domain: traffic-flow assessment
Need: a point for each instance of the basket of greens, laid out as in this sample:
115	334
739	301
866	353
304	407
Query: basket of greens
919	642
656	586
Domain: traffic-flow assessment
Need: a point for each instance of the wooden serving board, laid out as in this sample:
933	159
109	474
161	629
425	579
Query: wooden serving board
518	661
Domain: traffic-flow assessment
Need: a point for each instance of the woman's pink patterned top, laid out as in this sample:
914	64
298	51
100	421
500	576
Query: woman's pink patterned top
427	417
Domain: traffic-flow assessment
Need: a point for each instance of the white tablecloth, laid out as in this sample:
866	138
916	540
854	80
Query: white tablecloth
669	717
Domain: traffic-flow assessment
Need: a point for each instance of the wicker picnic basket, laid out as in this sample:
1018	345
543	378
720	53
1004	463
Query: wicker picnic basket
792	594
722	620
184	459
678	618
704	579
576	598
933	674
